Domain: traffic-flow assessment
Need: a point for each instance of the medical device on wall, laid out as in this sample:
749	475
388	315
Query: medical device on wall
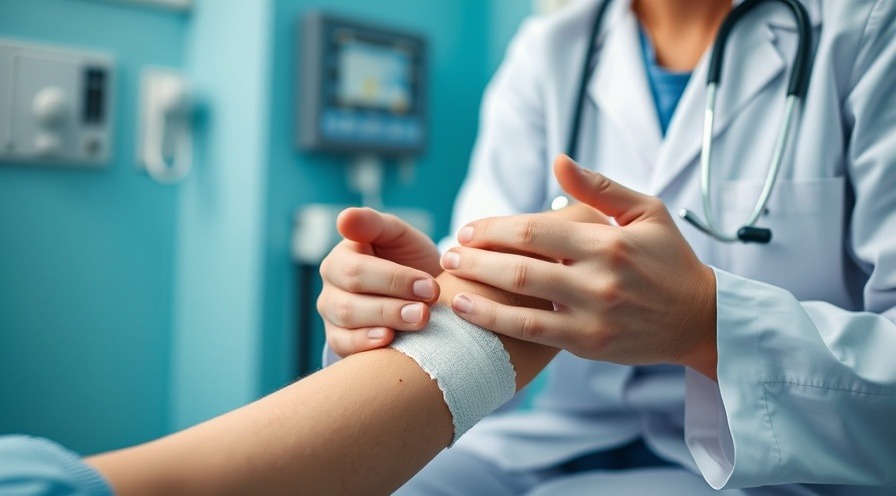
362	95
796	91
165	134
56	105
362	88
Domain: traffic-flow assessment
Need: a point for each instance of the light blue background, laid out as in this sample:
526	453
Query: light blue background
130	309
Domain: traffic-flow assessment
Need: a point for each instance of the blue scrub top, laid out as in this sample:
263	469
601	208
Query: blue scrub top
31	466
665	85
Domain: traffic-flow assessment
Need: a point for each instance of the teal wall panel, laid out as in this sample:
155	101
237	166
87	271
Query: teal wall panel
505	17
218	321
86	256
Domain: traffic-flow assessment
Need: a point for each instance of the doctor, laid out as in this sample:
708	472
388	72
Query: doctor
789	376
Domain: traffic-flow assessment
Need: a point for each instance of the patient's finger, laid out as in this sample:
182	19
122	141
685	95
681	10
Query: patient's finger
353	311
345	342
391	237
367	274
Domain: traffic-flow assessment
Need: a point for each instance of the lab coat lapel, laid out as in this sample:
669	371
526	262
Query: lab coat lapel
757	64
753	61
620	89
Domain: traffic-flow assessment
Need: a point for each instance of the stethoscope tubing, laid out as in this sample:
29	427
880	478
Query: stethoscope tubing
572	147
796	90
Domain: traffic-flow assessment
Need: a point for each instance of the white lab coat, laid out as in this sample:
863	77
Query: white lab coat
806	334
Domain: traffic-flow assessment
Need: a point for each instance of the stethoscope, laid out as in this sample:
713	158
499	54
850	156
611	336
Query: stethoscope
796	90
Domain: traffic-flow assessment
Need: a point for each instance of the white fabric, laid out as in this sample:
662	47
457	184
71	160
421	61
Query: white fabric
469	364
457	473
637	482
805	324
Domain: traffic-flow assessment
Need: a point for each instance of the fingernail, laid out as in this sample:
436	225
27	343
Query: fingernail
424	289
376	333
462	304
413	313
465	235
451	260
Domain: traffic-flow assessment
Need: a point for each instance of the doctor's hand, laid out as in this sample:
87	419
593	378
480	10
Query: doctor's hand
633	294
379	279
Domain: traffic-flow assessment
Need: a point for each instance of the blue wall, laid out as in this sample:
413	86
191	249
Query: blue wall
86	256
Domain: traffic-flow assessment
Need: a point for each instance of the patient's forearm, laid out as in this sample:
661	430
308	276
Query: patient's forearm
361	426
364	425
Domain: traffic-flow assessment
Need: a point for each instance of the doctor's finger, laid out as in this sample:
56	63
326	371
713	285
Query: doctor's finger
515	273
606	195
366	274
353	311
527	324
345	342
534	233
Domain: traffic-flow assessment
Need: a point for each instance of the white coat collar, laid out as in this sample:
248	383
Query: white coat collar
620	89
619	84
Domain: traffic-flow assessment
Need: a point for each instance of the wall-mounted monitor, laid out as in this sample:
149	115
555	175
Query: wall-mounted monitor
362	88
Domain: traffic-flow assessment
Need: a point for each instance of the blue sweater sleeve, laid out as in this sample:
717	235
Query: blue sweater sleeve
38	467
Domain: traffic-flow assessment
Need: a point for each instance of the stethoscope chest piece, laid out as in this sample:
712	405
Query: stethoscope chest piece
796	91
760	235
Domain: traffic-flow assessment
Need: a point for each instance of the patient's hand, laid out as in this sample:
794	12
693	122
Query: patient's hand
379	279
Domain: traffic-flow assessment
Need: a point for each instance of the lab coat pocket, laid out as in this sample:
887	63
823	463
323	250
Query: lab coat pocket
805	255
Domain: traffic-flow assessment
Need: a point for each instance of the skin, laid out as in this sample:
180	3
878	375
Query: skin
681	30
634	293
380	278
364	426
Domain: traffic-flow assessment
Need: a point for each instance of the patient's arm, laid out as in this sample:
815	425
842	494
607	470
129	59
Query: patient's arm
364	425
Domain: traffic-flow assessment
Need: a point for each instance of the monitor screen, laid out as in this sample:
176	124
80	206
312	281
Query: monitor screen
362	88
374	76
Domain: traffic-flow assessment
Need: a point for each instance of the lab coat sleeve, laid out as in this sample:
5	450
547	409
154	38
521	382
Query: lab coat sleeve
509	163
806	391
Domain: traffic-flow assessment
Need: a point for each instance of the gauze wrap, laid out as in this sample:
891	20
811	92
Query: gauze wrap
469	364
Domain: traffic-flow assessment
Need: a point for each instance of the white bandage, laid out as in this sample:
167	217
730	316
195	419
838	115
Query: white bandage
468	363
